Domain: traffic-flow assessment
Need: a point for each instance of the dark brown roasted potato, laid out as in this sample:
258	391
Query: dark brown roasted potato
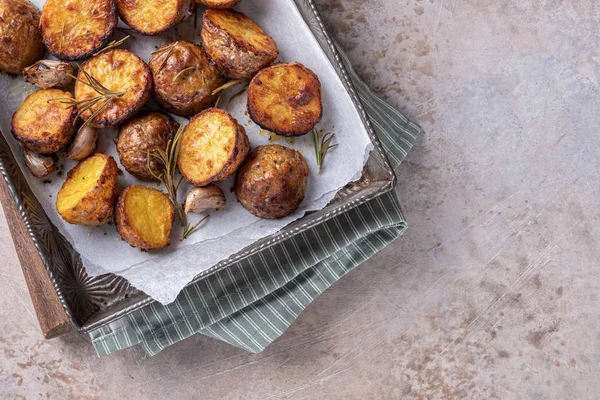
236	44
285	99
141	135
75	29
43	124
20	36
49	73
184	78
272	181
152	17
219	3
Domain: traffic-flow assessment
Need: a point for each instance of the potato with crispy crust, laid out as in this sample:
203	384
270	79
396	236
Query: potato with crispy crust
75	29
144	217
219	3
122	72
272	181
20	36
43	124
152	17
184	78
140	135
88	195
285	99
212	147
236	44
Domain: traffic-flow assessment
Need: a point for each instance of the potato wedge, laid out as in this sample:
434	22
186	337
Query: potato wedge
140	135
152	17
20	35
236	44
88	195
75	29
184	78
272	181
285	99
119	71
144	217
219	3
212	147
44	126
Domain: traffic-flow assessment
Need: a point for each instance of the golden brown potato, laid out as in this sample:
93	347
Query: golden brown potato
143	134
272	181
184	78
44	126
144	217
285	99
212	147
88	195
119	71
236	44
20	36
219	3
152	17
75	29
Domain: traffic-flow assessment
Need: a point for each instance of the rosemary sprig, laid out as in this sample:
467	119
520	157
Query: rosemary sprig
112	45
218	100
322	145
227	85
183	71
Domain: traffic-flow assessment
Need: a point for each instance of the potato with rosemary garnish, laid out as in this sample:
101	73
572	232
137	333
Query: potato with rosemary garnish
219	3
75	29
184	78
236	44
152	17
111	87
141	136
20	36
44	123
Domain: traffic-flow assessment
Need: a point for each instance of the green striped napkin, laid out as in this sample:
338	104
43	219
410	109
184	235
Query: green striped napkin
253	302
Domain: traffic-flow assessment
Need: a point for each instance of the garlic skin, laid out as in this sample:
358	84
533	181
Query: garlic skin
40	165
205	198
49	73
84	144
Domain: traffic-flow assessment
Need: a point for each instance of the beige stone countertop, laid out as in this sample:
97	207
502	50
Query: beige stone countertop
494	290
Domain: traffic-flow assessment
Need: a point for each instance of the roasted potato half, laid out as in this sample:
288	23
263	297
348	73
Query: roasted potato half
212	147
272	181
75	29
140	135
219	3
236	44
184	78
20	35
88	195
43	124
285	99
152	17
122	73
144	217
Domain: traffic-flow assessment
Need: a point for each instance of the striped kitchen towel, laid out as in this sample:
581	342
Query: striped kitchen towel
253	302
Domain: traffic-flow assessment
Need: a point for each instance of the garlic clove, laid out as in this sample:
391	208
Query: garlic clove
205	198
40	165
84	144
49	73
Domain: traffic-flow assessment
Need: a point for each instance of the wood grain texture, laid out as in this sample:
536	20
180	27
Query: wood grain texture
50	313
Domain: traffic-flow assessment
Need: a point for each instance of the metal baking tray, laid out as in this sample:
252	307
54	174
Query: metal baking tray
91	302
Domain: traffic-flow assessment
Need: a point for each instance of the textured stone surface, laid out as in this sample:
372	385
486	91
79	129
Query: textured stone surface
494	290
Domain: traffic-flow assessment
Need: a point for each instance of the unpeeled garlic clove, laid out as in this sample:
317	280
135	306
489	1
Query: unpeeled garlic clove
40	165
49	73
205	198
84	144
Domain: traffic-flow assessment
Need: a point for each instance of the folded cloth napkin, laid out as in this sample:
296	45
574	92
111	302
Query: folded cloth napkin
253	302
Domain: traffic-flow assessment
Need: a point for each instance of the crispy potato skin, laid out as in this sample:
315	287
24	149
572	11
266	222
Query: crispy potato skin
184	78
75	29
285	99
120	71
141	134
152	17
212	147
44	126
96	207
20	36
272	181
125	226
221	4
236	44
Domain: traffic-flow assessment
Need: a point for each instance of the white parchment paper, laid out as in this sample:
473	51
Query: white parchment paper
163	274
